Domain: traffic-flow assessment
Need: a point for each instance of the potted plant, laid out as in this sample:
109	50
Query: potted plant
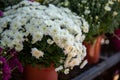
102	15
44	36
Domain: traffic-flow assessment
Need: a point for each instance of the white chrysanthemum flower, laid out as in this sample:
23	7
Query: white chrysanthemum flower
85	26
68	49
58	68
19	36
115	13
49	41
66	71
74	62
96	17
82	38
37	36
36	53
19	47
83	64
107	8
111	2
87	12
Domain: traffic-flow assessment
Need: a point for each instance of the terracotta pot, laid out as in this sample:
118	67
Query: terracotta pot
93	50
35	73
115	40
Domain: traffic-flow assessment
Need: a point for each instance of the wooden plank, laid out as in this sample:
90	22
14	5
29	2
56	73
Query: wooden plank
99	68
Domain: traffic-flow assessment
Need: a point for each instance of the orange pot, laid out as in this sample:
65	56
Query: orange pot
93	50
34	73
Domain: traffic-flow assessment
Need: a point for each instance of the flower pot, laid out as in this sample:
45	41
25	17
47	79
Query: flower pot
115	40
93	50
35	73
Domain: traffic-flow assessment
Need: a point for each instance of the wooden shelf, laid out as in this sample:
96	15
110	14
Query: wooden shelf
99	68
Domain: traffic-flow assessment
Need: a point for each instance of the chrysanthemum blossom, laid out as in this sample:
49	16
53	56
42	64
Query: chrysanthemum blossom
37	53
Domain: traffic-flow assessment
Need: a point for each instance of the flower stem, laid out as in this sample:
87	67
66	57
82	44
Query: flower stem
14	68
117	36
9	57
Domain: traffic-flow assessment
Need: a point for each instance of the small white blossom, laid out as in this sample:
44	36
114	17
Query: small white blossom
58	68
111	2
96	17
37	36
49	41
36	53
68	49
107	8
115	13
74	62
82	16
87	12
18	47
66	71
83	64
